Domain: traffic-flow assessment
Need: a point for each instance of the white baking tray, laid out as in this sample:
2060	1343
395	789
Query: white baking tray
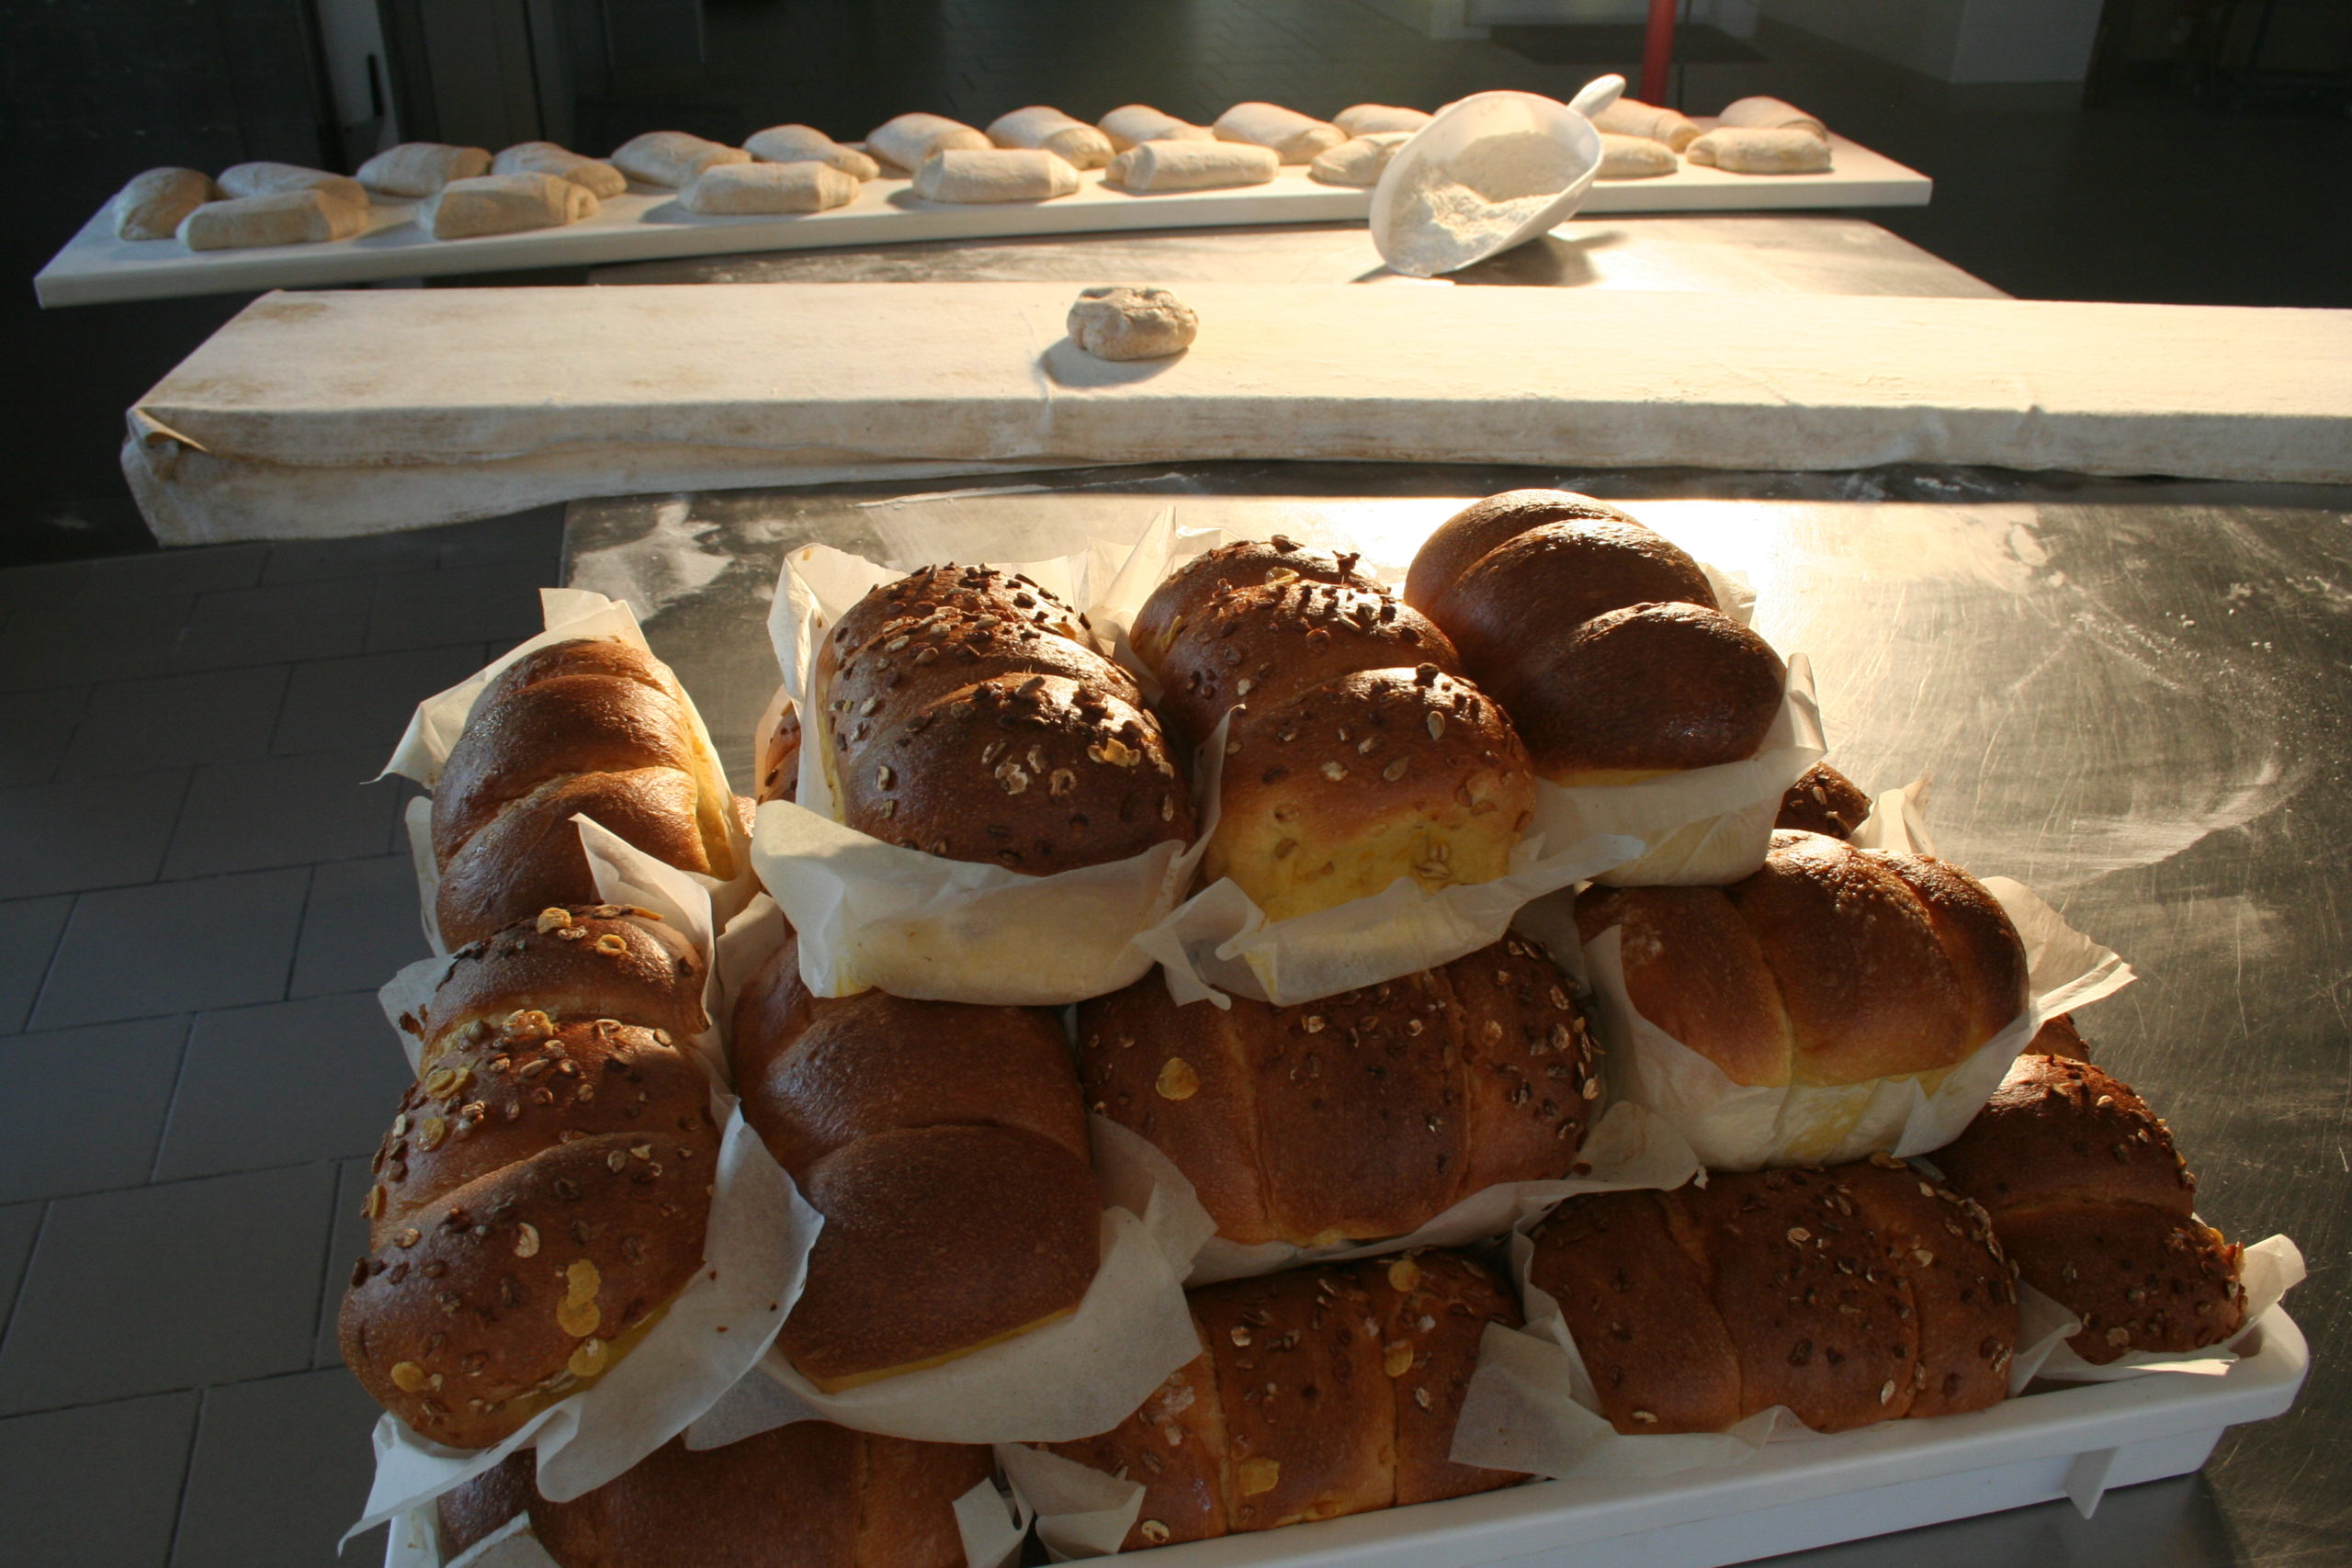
647	225
2067	1442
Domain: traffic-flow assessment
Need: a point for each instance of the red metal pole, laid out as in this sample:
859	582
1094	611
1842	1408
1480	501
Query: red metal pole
1658	51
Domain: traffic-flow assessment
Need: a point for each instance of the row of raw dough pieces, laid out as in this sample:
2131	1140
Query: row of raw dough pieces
1752	136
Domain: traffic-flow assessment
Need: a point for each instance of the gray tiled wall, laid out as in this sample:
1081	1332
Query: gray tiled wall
199	892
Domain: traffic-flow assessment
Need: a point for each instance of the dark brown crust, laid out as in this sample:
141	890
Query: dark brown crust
1824	801
1532	1085
1035	773
1522	595
1433	1313
469	1513
1245	564
974	590
819	1073
780	759
2059	1036
1265	645
1962	1288
1693	967
1173	1446
908	1517
583	961
2090	1196
1458	543
529	857
937	1241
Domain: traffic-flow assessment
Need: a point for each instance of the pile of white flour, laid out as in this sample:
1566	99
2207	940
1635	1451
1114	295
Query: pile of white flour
1452	213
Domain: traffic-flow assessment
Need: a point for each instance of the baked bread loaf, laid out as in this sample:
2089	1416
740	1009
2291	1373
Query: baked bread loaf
779	747
944	1143
1362	1115
1824	801
1250	563
809	1494
592	724
969	714
1829	966
1851	1295
544	1190
2090	1197
1602	641
1323	1391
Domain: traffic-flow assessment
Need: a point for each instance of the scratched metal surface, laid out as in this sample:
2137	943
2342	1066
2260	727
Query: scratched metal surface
2132	696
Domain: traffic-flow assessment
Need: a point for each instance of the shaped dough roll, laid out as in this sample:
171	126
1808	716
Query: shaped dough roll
1131	125
598	178
1359	160
1294	137
417	169
1633	157
503	204
152	205
673	157
338	191
768	188
1151	167
1631	117
1762	152
1372	120
289	218
807	144
994	173
1769	114
907	142
1053	131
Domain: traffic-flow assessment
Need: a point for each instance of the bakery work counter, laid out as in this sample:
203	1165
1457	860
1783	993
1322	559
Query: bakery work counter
2127	693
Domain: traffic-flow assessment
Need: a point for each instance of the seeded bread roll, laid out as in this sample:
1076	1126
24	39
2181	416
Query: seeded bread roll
779	750
809	1494
2090	1195
591	725
944	1143
1829	966
542	1194
1852	1295
1250	563
1323	1391
1824	801
1360	1116
1267	644
1385	773
1602	639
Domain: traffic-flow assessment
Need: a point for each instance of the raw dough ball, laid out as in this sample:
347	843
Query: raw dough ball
289	218
768	188
1131	125
994	173
595	175
152	204
807	144
1150	167
1081	145
1631	117
673	157
1633	157
1371	119
907	142
1359	160
1118	321
1762	151
503	204
417	169
1769	114
1295	138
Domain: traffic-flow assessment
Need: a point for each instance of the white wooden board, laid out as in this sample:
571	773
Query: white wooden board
647	224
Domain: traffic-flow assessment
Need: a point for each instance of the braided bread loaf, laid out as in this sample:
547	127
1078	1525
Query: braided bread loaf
944	1143
1323	1391
2090	1195
1360	1116
591	725
543	1192
1851	1295
969	714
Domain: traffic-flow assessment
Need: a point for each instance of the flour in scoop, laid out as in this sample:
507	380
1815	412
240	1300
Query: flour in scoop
1452	212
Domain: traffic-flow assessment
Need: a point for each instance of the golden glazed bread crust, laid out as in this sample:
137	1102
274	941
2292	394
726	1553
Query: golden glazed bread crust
585	960
529	857
1247	563
780	759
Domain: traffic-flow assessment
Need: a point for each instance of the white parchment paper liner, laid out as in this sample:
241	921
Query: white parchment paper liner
874	914
718	1326
1740	1127
433	730
1703	826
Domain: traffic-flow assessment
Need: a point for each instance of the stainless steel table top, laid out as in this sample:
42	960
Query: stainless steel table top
1746	254
2131	695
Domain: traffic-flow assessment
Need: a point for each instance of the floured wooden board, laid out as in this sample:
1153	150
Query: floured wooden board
361	412
647	224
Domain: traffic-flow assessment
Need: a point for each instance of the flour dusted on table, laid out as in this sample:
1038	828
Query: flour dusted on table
1451	216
